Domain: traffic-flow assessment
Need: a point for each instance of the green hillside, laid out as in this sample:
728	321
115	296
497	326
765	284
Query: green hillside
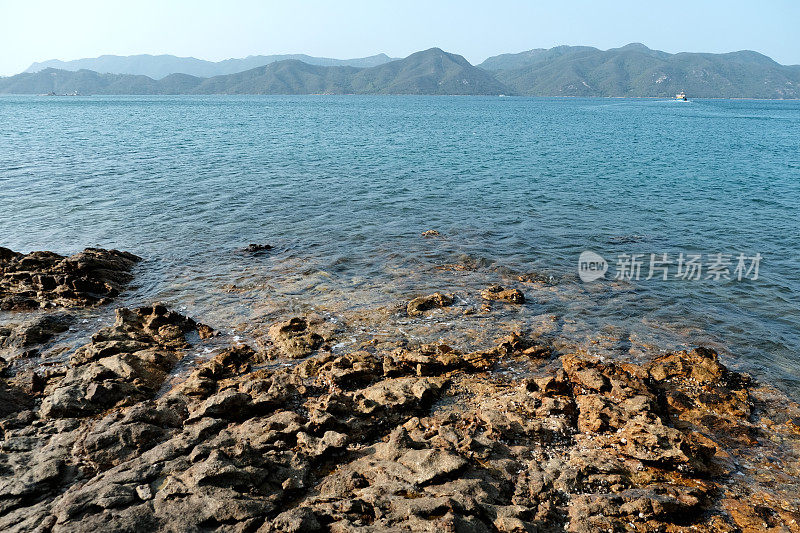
632	70
284	77
635	70
429	72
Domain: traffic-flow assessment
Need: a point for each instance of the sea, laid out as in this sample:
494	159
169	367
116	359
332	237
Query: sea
691	212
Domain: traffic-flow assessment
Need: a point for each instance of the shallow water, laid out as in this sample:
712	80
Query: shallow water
343	186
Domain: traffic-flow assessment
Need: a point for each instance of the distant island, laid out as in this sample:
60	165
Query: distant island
630	71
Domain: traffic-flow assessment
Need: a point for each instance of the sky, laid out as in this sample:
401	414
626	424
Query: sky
37	30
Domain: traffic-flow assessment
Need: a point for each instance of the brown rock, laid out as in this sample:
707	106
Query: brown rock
25	339
46	279
391	437
418	306
496	292
124	363
295	338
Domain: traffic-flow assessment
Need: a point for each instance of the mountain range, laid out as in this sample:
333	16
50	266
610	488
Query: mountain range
158	67
429	72
632	70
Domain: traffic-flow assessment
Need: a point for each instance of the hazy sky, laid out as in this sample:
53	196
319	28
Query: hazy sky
32	30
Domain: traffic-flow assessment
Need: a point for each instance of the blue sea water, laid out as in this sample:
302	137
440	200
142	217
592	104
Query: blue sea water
343	186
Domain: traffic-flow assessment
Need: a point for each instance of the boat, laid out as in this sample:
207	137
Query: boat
681	96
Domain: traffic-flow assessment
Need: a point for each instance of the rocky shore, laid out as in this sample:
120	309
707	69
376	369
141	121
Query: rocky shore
289	433
47	280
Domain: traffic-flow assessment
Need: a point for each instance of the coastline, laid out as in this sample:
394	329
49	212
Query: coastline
159	420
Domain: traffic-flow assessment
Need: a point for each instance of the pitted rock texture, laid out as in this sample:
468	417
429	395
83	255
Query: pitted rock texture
418	306
123	364
46	279
401	438
23	339
496	292
299	336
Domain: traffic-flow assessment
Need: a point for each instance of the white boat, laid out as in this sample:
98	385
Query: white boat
681	96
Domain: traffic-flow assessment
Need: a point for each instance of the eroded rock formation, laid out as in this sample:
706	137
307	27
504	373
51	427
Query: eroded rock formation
423	438
46	279
419	305
496	292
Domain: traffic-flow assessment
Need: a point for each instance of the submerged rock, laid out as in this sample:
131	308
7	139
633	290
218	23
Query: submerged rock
46	279
258	249
496	292
418	306
537	277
